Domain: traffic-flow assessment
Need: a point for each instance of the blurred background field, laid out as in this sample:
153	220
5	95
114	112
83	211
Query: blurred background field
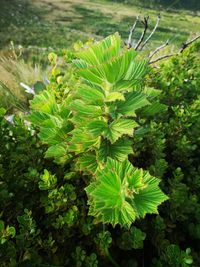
31	29
58	24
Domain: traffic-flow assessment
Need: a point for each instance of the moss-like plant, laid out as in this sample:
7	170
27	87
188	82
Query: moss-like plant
93	125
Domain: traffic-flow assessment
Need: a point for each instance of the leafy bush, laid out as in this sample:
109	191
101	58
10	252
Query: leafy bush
91	127
44	219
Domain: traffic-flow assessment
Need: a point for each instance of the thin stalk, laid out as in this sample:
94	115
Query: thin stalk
129	43
158	49
111	258
108	253
151	34
162	57
185	45
145	23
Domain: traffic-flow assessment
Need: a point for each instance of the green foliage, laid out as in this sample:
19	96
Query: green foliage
44	218
133	238
103	240
174	256
122	193
6	232
94	122
47	181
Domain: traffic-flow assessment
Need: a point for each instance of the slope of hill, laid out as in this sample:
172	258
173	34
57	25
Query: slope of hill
59	23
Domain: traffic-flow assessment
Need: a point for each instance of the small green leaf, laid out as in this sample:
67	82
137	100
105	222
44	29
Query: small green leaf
133	101
151	92
47	181
188	251
69	175
90	95
56	151
38	117
137	237
153	109
188	260
82	141
2	240
119	150
97	127
150	197
81	109
87	163
118	128
11	231
44	102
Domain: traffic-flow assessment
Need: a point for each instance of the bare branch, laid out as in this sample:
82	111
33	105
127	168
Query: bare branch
141	42
151	34
129	42
145	23
185	45
158	49
162	57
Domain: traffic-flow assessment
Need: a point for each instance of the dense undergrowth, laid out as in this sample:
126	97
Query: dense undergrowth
44	212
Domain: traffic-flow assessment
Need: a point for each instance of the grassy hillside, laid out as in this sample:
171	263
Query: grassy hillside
169	4
59	23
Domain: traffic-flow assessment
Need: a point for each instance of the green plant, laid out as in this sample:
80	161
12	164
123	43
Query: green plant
174	256
91	126
45	204
132	239
6	232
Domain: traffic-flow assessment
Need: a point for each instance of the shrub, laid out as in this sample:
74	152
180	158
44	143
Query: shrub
92	125
45	220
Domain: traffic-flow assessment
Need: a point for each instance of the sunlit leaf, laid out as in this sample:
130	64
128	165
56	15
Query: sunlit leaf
44	102
119	150
87	163
116	198
118	128
133	101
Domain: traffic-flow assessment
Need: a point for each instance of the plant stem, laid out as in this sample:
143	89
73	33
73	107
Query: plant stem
110	258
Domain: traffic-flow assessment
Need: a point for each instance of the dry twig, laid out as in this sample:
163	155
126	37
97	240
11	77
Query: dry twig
162	57
145	23
158	49
185	45
141	43
129	43
151	34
